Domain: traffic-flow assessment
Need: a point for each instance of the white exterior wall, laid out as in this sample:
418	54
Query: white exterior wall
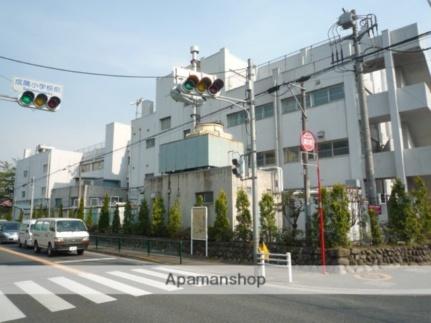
338	120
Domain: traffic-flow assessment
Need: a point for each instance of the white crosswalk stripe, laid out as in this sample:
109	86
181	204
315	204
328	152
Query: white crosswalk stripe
48	299
8	311
144	281
124	288
82	290
151	273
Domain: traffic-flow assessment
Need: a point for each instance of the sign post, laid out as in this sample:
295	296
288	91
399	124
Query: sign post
199	227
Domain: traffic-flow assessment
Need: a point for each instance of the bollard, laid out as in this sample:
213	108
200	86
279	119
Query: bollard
289	264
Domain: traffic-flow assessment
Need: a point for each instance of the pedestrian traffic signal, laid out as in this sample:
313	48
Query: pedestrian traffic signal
31	99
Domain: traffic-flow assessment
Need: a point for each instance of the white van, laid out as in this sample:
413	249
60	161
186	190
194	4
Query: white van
25	236
60	234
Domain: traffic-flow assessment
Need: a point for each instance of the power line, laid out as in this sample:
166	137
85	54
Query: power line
270	90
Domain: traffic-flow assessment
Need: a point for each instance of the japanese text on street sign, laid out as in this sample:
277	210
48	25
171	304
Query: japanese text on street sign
307	141
21	84
199	223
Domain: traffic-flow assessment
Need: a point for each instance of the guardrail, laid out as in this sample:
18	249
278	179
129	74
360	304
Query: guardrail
277	260
137	244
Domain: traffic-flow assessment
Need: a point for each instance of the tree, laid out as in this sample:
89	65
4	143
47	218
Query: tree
339	216
403	224
116	224
104	215
80	213
21	215
8	216
128	218
422	207
267	217
243	228
60	211
174	219
144	224
158	217
376	231
199	200
89	219
315	223
221	229
7	180
292	207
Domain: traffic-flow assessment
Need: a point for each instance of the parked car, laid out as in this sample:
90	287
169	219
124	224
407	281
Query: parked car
25	236
9	231
60	235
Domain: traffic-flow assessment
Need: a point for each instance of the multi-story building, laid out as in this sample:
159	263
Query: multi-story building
62	177
397	84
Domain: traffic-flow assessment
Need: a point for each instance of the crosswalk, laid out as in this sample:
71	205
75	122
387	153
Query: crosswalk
104	286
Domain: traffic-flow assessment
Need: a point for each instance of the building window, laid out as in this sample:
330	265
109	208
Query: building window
165	123
43	191
74	202
95	201
289	105
186	132
265	158
23	194
85	168
149	143
208	197
291	154
98	165
45	168
325	95
236	118
25	173
333	148
149	175
58	202
264	111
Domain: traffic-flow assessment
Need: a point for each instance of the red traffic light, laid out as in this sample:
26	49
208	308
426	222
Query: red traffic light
216	87
53	102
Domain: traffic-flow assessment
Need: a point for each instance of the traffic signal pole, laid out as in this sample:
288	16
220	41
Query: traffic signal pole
254	198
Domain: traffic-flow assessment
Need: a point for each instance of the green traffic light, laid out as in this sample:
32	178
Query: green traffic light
26	98
188	86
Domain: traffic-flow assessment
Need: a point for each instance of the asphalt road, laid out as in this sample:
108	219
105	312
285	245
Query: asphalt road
18	271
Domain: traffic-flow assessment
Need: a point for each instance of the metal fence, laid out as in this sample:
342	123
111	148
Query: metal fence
137	244
276	259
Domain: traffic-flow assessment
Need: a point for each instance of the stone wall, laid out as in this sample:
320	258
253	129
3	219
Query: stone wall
240	252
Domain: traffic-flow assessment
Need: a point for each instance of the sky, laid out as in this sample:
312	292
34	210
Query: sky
146	38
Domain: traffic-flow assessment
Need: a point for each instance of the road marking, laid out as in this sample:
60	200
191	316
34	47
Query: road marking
124	288
8	310
48	299
151	273
144	281
84	260
82	290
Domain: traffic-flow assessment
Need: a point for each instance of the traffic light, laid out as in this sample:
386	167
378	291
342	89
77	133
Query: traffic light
236	169
31	99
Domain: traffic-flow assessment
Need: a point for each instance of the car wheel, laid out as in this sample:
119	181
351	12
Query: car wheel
50	251
36	248
80	252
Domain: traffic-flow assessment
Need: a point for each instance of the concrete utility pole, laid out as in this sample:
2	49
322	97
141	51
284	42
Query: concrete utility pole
371	190
254	198
32	198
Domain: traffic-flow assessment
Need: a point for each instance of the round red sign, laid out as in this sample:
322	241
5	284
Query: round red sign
308	142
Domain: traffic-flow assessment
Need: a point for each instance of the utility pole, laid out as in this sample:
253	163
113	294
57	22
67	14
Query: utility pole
194	50
254	198
371	190
305	170
32	197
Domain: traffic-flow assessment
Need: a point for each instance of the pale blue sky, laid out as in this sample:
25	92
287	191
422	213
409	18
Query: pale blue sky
146	38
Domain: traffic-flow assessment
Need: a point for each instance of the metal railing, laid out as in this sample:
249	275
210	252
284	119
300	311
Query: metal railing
138	245
275	259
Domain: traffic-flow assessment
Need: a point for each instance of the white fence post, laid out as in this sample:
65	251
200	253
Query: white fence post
289	264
